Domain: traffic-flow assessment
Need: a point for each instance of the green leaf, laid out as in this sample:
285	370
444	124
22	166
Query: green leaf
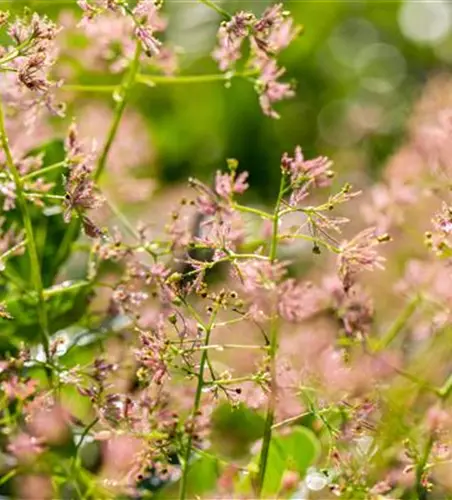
66	303
296	451
202	478
235	428
52	235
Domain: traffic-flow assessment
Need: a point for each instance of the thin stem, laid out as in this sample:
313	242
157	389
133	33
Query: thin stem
45	170
12	250
44	196
107	89
398	324
421	490
59	289
31	244
83	435
9	475
312	239
298	417
16	52
272	354
129	227
231	381
445	390
255	211
216	8
153	80
202	365
220	347
123	97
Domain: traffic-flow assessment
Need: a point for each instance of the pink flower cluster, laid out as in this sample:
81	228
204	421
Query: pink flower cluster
267	36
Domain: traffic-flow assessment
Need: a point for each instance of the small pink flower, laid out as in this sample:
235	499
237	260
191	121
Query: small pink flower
25	447
228	184
359	254
269	88
438	419
14	388
298	301
51	425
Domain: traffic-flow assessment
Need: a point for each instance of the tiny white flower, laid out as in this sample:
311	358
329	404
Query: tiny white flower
315	480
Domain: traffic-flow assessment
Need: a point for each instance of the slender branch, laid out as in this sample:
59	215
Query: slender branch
421	490
123	97
255	211
107	89
445	390
153	80
31	243
202	365
220	347
312	239
44	196
230	381
59	289
12	250
123	92
16	52
272	354
216	8
298	417
398	324
45	170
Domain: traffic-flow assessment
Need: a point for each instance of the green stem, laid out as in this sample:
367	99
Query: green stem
202	365
255	211
12	250
44	196
59	289
445	390
231	381
421	491
123	96
219	347
153	80
31	244
16	52
216	8
108	89
45	170
398	324
272	354
312	239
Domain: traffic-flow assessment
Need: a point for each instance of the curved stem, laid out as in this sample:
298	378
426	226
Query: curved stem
123	95
272	354
31	243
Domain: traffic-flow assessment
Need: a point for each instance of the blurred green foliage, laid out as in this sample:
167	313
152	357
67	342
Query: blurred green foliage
357	77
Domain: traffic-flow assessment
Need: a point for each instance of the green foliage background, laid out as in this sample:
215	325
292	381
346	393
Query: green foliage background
194	128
